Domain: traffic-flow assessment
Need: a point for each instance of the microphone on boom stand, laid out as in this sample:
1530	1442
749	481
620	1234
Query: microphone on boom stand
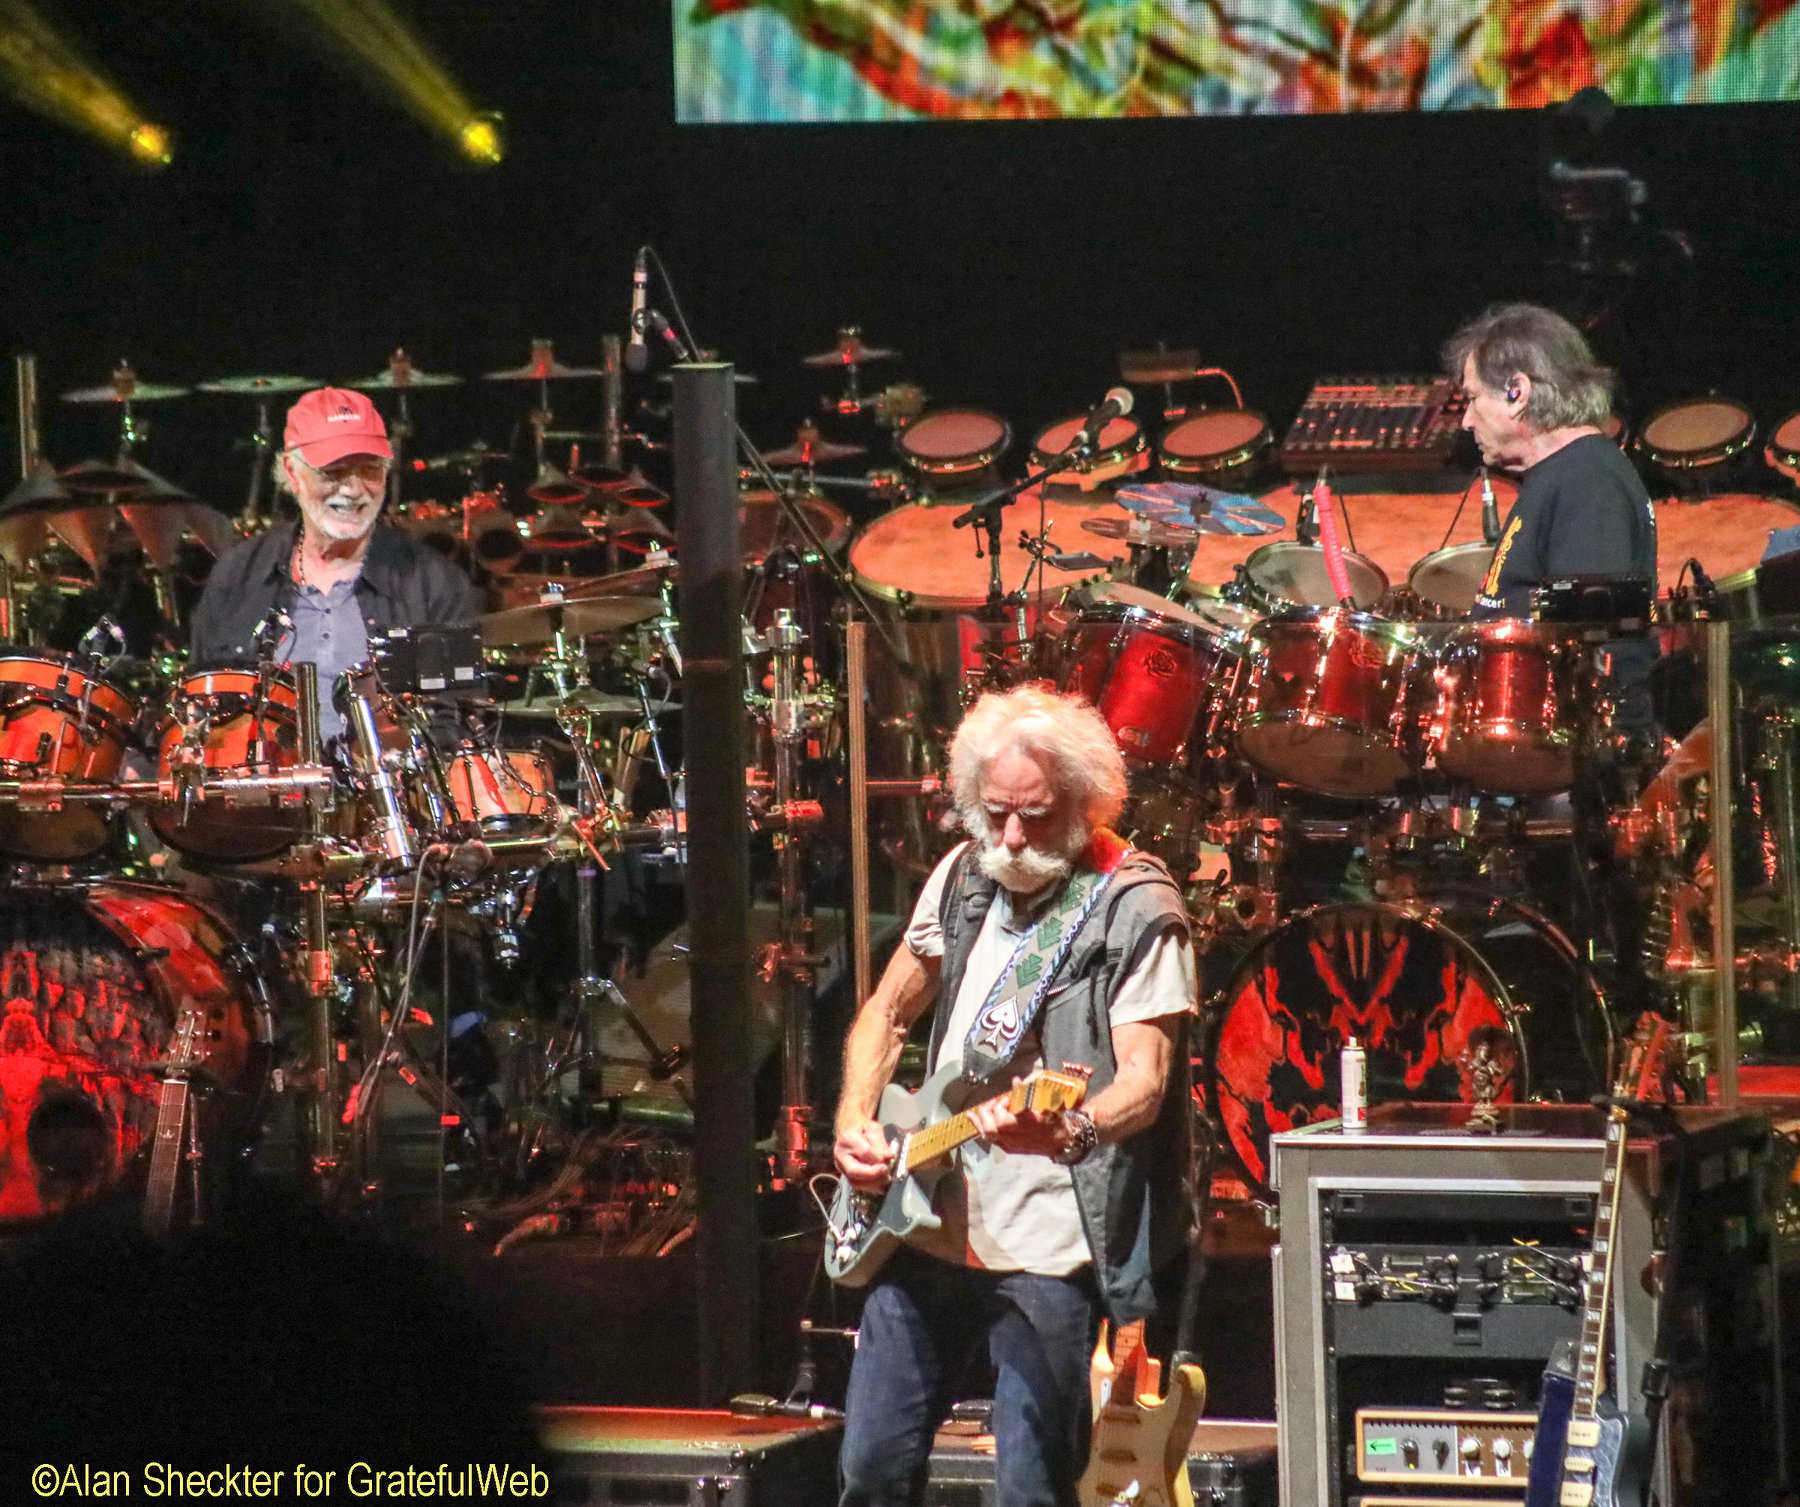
1490	511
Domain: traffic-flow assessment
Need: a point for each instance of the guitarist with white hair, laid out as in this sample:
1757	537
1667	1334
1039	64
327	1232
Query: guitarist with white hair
1043	940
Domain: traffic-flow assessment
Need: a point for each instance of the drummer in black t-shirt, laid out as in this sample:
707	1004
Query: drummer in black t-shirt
1537	399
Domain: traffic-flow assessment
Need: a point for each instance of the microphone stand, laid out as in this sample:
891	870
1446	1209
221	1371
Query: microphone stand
984	513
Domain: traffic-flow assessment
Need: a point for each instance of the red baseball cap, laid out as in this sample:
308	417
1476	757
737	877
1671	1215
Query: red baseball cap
332	422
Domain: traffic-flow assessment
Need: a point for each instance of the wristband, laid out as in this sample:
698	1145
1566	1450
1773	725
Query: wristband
1084	1137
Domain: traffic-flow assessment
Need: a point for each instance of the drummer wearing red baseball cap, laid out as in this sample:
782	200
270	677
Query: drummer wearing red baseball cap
339	575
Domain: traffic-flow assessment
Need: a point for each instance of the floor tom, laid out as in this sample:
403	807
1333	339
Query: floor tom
58	721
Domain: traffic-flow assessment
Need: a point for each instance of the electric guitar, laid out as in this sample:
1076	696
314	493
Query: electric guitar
1138	1455
171	1125
863	1229
1587	1452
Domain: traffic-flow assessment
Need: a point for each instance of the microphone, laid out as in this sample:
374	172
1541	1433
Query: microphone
1490	511
1116	404
1305	529
274	627
1706	590
637	354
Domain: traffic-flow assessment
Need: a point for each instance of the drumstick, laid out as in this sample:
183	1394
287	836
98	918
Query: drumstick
1328	537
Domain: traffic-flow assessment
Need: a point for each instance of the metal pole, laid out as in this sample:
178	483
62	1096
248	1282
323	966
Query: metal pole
718	874
322	1078
1718	706
855	681
25	371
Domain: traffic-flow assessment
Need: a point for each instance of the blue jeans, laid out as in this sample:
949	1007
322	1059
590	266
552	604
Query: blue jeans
922	1320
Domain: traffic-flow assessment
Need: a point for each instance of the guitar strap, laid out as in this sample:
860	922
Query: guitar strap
1017	998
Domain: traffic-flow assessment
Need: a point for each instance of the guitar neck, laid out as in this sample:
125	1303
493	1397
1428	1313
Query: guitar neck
1590	1365
165	1156
935	1141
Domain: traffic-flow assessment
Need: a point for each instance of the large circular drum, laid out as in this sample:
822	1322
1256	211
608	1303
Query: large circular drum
1220	445
1329	703
1697	433
1446	582
1417	989
96	981
58	721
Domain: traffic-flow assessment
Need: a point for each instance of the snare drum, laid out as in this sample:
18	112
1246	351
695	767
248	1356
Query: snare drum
1415	990
244	722
58	722
1123	448
954	444
1220	445
1696	433
1291	574
1508	708
1446	582
503	792
1326	706
1155	671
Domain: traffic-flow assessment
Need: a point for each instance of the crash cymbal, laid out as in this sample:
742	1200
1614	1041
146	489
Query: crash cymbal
529	626
408	376
125	388
259	387
1158	366
850	351
1146	532
810	448
42	491
544	367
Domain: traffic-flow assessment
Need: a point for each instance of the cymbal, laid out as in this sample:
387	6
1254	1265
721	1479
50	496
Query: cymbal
553	487
535	624
583	700
851	352
42	491
258	387
1149	532
810	448
478	454
548	370
557	526
1158	366
125	388
406	377
614	486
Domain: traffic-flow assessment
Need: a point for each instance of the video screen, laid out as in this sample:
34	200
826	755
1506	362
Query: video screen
747	61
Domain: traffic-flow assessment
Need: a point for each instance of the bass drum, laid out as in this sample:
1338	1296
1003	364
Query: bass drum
1414	986
94	979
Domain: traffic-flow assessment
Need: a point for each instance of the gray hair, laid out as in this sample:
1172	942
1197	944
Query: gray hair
1568	387
1064	733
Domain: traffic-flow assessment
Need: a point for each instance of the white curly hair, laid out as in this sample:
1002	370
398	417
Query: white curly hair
1064	733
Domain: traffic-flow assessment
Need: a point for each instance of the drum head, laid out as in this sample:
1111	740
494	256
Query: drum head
1296	573
1699	432
1124	595
954	439
917	551
1219	436
1450	579
1418	991
761	522
1121	434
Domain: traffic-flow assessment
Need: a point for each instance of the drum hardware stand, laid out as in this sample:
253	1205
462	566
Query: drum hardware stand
322	1077
262	448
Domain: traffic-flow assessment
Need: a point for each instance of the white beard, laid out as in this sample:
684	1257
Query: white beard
1032	868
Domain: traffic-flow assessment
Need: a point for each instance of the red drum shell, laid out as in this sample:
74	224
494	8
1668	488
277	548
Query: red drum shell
246	732
1508	709
1327	704
504	791
58	722
1153	669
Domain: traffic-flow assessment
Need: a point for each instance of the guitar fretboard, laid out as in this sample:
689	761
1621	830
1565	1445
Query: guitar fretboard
1590	1363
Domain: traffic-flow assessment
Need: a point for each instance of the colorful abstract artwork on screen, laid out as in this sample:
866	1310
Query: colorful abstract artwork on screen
873	60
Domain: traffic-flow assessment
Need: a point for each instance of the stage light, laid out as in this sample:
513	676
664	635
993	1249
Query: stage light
481	141
375	45
46	72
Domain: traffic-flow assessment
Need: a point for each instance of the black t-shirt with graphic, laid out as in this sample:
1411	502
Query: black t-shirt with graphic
1581	511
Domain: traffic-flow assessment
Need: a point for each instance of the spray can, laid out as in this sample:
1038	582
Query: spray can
1353	1085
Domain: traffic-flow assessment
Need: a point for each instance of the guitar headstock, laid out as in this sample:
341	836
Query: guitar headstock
1049	1091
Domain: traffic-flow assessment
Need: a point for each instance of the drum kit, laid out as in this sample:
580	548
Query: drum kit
1360	796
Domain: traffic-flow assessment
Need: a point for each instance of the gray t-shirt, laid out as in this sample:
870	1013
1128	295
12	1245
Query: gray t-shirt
329	634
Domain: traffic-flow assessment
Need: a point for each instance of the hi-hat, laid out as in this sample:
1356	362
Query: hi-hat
851	351
125	388
259	387
810	448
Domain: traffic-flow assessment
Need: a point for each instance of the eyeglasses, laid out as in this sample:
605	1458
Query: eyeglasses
371	473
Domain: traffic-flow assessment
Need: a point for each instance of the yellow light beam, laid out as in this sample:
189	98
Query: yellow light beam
378	48
46	72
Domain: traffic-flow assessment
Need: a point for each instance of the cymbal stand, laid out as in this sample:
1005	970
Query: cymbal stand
262	447
322	1075
1779	725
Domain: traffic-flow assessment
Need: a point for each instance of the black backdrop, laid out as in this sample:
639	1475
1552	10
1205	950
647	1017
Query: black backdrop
309	227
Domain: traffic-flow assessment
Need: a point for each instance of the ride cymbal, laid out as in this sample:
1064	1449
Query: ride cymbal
125	388
810	448
258	387
851	352
536	623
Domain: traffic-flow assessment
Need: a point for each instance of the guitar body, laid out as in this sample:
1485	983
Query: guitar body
867	1228
1139	1448
1554	1402
1619	1448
